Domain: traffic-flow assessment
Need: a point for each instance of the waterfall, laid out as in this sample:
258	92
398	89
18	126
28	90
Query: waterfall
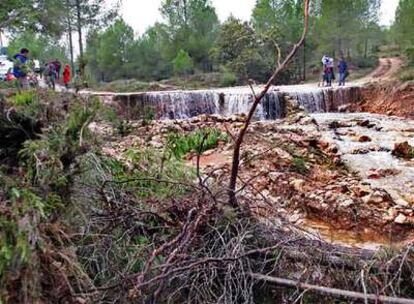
313	102
186	104
320	100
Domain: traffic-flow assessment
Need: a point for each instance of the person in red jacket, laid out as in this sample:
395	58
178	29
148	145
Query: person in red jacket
66	76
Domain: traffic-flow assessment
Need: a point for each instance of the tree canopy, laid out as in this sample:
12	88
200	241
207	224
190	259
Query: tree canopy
404	23
190	38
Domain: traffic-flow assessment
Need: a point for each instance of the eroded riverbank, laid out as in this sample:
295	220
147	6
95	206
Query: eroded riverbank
310	171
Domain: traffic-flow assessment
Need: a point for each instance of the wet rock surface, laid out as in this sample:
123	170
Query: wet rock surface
378	161
308	170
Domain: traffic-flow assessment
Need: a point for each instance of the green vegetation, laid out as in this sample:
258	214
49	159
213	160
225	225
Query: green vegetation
25	98
402	29
299	165
401	34
42	47
183	64
407	74
191	41
157	166
198	141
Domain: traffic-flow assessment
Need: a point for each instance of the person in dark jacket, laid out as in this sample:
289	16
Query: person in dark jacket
343	70
20	68
58	67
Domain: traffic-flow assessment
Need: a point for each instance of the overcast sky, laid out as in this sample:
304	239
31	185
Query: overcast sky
141	14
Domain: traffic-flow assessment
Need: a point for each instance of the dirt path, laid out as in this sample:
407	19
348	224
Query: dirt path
386	70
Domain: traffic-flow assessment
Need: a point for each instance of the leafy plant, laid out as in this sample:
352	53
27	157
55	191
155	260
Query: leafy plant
148	116
199	141
183	64
409	52
407	74
299	165
16	228
80	117
24	98
151	165
228	79
123	128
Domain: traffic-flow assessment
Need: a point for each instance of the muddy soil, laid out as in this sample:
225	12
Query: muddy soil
289	172
390	98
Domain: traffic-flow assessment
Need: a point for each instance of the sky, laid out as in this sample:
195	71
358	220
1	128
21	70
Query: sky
141	14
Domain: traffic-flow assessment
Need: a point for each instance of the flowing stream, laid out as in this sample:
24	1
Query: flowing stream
231	101
366	157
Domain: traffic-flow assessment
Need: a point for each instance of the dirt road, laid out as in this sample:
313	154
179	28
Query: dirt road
387	68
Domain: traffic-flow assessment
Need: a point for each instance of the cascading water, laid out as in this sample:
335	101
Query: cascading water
185	104
313	102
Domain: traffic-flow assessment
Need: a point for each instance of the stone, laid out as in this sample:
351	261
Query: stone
333	149
344	108
328	194
393	213
346	203
376	197
364	138
403	150
360	151
400	219
401	202
298	184
323	144
363	123
308	120
361	191
156	144
274	176
296	216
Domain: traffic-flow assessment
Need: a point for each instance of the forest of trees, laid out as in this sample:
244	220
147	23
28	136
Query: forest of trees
402	30
191	39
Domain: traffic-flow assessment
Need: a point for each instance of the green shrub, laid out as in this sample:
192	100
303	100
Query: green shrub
149	116
299	165
228	79
150	165
24	99
81	116
406	74
365	62
183	64
409	52
123	128
199	141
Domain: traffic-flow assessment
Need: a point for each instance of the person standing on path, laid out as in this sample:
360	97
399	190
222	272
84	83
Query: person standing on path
66	76
58	67
343	70
20	68
50	75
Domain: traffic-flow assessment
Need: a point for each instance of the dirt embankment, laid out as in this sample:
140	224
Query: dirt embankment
384	94
390	98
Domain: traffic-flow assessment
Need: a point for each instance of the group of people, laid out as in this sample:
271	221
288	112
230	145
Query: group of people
329	72
52	73
24	70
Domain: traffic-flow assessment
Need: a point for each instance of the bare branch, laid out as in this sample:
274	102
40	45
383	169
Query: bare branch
258	98
332	291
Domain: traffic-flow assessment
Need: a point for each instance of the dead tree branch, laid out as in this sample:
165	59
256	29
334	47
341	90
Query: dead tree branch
331	291
257	100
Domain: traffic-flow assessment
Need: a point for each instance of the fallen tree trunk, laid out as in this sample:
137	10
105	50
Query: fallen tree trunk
332	291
